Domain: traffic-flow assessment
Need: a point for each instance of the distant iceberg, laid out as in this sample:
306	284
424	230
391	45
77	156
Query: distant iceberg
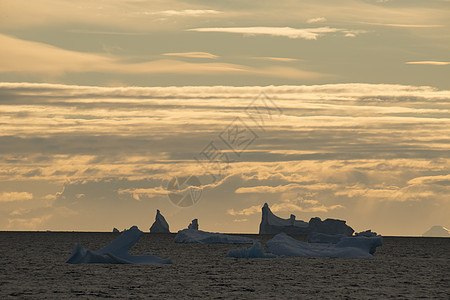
350	247
437	231
194	224
272	224
116	252
160	225
193	236
115	230
367	233
256	251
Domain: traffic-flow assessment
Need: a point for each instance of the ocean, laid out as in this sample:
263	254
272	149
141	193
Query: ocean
32	265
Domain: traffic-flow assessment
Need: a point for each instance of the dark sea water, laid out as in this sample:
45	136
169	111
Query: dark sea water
32	265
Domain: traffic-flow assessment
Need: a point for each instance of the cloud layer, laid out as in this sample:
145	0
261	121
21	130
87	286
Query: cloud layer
350	151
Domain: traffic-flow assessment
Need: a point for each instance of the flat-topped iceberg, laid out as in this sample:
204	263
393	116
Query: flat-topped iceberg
351	247
193	236
116	252
160	225
272	224
256	251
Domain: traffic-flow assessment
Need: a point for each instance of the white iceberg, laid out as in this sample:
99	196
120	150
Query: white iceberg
256	251
193	236
194	224
437	231
116	252
351	247
160	225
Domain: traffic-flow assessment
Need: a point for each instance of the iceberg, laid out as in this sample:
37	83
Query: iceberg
437	231
272	224
317	237
115	230
160	225
256	251
194	236
349	247
367	233
116	252
194	224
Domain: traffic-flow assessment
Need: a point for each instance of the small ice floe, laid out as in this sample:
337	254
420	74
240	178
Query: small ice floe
256	251
116	252
193	236
352	247
160	225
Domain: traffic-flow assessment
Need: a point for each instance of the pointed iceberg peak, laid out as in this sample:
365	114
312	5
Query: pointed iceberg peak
437	231
194	224
160	225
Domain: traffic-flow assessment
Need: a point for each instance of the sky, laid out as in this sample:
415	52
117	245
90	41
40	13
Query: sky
335	109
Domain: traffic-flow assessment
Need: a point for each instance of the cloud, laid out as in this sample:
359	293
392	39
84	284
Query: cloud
15	196
293	33
316	20
283	59
246	211
184	13
405	25
428	62
26	57
192	55
283	207
366	147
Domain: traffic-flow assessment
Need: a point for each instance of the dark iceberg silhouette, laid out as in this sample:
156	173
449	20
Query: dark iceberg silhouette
116	252
160	225
194	224
271	224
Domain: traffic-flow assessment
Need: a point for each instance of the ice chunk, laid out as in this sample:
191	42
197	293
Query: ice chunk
329	226
437	231
193	236
317	237
116	252
115	229
256	251
194	224
355	247
160	225
367	233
